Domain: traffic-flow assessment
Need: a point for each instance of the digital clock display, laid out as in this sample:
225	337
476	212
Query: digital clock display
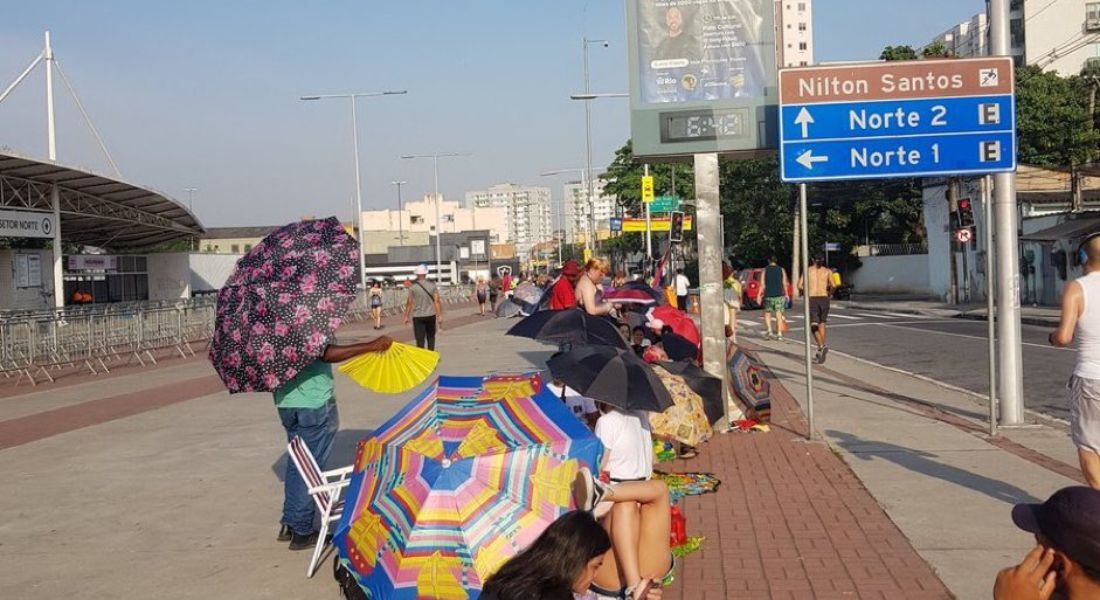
702	125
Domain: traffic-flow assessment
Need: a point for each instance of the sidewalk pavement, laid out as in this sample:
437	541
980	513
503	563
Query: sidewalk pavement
181	499
1043	316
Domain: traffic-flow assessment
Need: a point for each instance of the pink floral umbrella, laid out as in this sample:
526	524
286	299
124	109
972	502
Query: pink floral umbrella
283	304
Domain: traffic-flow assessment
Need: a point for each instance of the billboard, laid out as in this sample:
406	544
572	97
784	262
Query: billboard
703	76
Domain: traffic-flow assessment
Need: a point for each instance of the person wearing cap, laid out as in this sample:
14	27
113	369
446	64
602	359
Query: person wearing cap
1081	319
562	294
425	309
1067	557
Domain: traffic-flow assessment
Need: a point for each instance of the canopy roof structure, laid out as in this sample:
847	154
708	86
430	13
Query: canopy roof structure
96	210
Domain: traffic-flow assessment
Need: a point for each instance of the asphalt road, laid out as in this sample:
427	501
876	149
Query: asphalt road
953	351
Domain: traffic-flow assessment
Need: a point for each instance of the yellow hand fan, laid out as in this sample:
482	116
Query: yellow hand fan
398	369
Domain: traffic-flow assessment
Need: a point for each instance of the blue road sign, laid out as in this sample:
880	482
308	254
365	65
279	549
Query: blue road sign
616	225
909	119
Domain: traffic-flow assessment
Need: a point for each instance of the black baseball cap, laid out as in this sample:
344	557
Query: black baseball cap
1070	519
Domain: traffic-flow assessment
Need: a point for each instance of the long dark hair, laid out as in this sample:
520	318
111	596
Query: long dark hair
546	570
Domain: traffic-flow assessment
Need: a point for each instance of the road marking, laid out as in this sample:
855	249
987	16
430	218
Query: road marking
969	337
866	324
846	317
905	315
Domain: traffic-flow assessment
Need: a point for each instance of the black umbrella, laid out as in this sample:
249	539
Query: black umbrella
706	385
643	287
507	309
678	347
612	376
572	326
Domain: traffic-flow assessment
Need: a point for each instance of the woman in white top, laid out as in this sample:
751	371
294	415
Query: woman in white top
588	294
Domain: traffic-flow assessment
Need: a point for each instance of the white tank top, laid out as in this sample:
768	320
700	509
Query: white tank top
1088	329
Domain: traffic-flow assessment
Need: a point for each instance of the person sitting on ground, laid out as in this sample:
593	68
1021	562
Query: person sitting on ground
562	294
582	407
559	565
588	295
638	517
1067	557
638	341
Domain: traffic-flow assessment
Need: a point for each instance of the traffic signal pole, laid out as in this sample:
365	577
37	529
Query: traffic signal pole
1010	355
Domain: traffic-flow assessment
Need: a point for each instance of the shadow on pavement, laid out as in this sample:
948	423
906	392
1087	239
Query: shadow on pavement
344	445
923	462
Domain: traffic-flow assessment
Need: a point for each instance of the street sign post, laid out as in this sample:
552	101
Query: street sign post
897	119
616	225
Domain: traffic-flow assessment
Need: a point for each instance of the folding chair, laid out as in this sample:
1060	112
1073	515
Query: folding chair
325	487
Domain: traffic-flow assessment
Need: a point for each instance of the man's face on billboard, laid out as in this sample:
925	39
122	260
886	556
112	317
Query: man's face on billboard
675	21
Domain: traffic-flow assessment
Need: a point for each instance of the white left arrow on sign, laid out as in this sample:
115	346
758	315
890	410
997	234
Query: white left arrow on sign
808	160
805	119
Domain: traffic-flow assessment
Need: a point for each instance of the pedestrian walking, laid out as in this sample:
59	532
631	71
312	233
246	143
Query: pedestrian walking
1081	319
494	291
817	287
774	295
307	409
682	284
425	309
376	303
481	295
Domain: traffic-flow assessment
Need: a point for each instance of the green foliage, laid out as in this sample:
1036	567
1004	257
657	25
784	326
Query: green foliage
1055	128
936	50
898	53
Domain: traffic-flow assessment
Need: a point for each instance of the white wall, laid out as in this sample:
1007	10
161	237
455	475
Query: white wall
210	271
12	298
169	276
1055	36
892	275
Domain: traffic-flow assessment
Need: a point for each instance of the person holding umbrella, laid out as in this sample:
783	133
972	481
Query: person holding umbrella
307	408
275	332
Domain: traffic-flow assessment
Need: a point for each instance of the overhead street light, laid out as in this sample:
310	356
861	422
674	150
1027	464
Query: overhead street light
438	229
588	96
358	175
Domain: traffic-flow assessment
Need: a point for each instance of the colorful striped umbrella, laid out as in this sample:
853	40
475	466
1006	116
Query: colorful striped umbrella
456	483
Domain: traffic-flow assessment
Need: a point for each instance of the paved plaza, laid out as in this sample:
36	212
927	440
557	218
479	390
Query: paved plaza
155	483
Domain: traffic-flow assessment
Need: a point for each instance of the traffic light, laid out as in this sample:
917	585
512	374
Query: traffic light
966	213
676	227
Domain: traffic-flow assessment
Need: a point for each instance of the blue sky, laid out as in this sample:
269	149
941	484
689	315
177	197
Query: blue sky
205	93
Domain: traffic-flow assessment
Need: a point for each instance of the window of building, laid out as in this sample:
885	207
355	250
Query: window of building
802	45
802	27
416	219
1092	14
235	249
248	247
801	7
803	64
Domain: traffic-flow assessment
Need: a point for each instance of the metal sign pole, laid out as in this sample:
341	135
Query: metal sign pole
1008	268
808	337
648	227
709	236
991	319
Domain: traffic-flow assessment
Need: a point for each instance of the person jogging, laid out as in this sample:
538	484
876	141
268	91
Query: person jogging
819	292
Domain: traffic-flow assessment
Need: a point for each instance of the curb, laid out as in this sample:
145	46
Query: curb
1037	321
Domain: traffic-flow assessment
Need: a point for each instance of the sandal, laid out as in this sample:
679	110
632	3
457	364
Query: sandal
688	452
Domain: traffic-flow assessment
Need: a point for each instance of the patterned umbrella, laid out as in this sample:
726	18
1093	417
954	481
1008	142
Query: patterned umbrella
686	421
748	382
282	305
629	296
458	482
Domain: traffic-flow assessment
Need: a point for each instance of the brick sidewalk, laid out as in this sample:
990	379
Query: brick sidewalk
791	520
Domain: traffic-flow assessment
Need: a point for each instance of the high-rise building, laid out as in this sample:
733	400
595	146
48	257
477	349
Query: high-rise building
527	210
1055	35
578	211
418	217
795	32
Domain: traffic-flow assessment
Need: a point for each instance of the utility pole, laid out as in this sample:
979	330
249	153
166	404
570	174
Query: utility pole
709	235
400	210
952	195
1008	268
796	249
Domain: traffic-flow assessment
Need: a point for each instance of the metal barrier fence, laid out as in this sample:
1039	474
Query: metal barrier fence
36	345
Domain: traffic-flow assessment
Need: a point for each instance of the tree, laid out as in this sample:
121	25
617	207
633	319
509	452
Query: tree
936	49
1054	126
891	53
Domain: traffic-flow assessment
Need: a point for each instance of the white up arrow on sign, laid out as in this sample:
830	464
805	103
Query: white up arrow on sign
805	120
807	159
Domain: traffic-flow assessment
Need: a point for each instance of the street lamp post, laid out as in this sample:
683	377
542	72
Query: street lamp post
190	197
561	209
588	96
400	209
438	225
358	176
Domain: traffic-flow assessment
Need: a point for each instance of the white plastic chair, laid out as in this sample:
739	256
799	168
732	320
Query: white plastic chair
325	487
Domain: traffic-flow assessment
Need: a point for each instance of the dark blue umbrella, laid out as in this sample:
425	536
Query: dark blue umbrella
571	326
